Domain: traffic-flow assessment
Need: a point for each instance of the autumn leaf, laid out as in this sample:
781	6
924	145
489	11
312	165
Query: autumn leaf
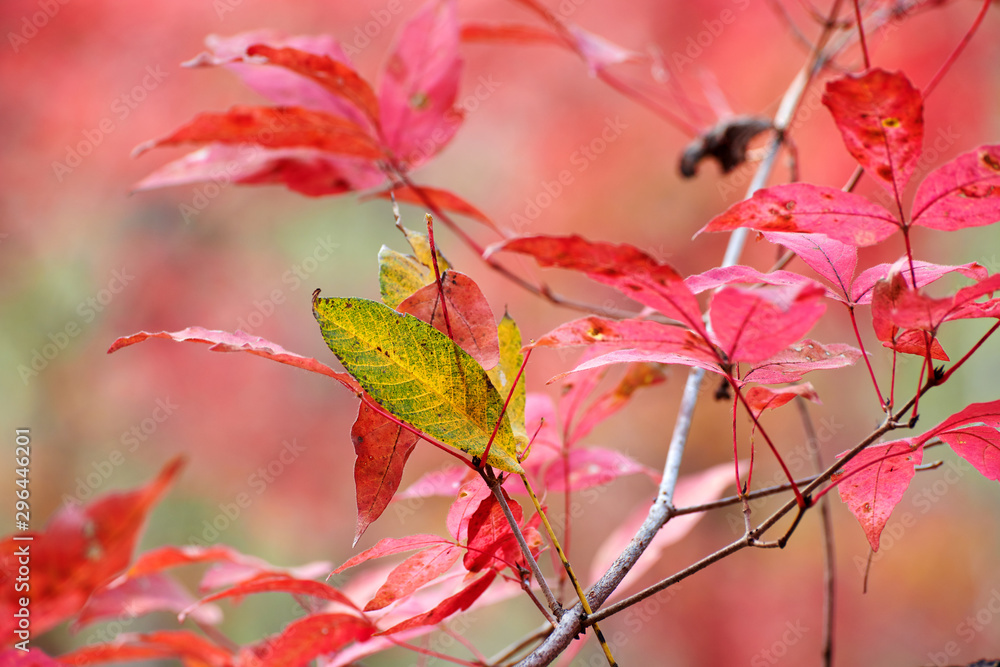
962	193
281	584
80	549
624	267
925	272
460	601
382	448
392	545
503	374
880	116
468	314
419	375
586	467
764	398
223	341
418	87
308	638
190	648
416	571
790	364
443	199
834	260
489	531
874	481
751	325
332	75
800	207
275	127
137	596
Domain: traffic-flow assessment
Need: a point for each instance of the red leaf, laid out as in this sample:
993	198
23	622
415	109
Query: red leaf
382	448
641	334
624	267
489	532
281	86
754	324
511	33
243	567
926	272
333	76
307	638
392	545
458	602
592	466
790	364
306	170
223	341
963	193
897	307
764	398
832	259
274	127
443	199
473	326
282	584
81	549
874	482
799	207
414	572
185	645
469	497
137	596
978	446
636	376
34	657
419	85
730	275
880	116
643	356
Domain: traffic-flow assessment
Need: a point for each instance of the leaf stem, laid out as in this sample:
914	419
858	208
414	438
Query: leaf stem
437	278
864	355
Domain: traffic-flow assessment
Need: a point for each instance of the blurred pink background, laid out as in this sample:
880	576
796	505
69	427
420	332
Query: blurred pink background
84	262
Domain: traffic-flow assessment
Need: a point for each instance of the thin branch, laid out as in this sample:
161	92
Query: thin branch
829	565
660	512
494	483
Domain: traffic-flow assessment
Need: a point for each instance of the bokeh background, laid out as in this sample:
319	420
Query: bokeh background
84	261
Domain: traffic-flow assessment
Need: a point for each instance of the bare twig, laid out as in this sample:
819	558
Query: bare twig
829	566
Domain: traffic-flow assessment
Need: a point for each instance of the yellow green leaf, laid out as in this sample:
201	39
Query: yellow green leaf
422	250
504	373
419	375
400	275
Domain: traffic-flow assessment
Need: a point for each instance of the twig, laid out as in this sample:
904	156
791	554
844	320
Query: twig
494	483
659	513
829	566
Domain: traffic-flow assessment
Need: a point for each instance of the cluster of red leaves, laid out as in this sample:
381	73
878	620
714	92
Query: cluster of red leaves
330	133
